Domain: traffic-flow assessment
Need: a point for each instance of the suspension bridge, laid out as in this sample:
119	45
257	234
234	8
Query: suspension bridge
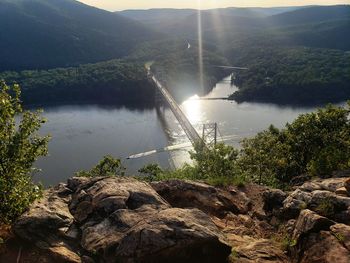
186	125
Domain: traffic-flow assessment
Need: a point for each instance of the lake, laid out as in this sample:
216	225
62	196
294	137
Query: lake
83	134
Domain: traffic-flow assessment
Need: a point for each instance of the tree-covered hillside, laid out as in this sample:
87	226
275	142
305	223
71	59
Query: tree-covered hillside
115	81
293	75
37	34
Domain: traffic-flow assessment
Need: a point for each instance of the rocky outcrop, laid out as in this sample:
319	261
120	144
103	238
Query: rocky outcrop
327	197
119	220
309	222
209	199
320	214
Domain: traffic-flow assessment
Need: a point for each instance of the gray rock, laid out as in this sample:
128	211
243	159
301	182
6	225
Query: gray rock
103	197
308	221
215	201
44	218
273	199
330	184
294	203
322	199
148	235
129	222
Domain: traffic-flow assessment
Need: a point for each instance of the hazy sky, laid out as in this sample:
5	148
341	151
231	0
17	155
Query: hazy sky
114	5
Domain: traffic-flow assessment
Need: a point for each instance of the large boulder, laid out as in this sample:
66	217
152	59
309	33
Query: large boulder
308	221
46	217
96	199
123	219
47	223
273	199
212	200
294	203
149	235
328	203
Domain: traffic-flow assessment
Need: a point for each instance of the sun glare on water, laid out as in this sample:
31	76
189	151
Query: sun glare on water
193	110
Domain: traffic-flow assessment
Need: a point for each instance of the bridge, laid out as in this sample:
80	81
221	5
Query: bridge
186	125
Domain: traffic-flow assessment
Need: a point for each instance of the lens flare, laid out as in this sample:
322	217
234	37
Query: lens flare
200	45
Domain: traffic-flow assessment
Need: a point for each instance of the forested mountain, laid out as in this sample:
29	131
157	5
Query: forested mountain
292	50
51	33
297	56
314	26
314	14
166	16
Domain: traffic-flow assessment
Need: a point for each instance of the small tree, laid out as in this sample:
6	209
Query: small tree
20	147
217	165
108	166
151	171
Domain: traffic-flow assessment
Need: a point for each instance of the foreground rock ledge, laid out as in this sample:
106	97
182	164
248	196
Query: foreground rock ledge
119	220
124	220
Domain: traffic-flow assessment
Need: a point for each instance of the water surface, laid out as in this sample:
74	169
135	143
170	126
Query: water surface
83	134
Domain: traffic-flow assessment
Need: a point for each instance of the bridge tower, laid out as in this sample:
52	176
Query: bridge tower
210	133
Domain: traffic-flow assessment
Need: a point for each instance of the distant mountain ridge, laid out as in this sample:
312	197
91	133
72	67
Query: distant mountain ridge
54	33
319	26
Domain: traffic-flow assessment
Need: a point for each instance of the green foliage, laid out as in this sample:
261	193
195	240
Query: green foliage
115	81
108	166
326	207
216	162
340	237
20	146
287	243
151	171
316	143
234	256
292	75
216	166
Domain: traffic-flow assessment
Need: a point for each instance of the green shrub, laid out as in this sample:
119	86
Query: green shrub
216	166
108	166
316	143
326	207
20	146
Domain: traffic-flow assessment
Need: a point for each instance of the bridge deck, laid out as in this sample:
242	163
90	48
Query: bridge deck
190	131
